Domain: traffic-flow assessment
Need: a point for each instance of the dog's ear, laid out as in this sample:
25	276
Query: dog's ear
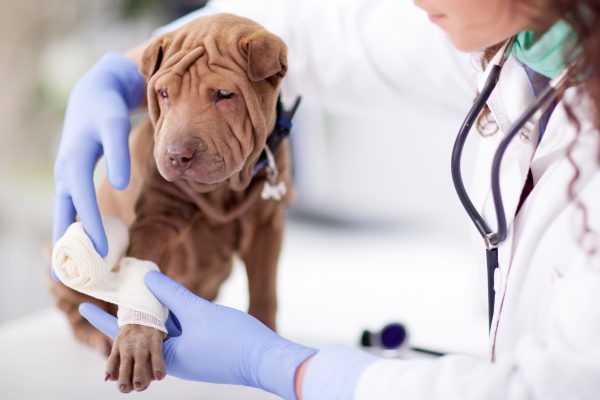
266	55
153	56
152	59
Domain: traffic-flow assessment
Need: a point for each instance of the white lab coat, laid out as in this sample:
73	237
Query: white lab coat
545	341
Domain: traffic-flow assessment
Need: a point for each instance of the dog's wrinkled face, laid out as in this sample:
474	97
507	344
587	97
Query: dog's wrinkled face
212	91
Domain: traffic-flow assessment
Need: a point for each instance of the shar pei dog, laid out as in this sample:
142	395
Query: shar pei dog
205	187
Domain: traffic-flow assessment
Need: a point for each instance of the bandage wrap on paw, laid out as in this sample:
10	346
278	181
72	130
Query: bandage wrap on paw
113	279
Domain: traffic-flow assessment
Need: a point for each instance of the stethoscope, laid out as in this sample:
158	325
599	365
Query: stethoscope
531	115
394	336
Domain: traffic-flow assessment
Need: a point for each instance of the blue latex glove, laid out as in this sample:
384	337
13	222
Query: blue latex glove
216	344
96	122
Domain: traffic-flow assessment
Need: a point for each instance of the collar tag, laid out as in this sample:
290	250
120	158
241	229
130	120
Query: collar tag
272	189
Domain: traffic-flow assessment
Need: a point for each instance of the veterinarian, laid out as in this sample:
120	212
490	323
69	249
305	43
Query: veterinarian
546	317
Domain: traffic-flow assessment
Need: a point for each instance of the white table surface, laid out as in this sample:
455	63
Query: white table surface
333	282
40	360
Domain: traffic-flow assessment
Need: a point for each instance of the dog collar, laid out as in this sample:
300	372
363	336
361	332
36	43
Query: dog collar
282	129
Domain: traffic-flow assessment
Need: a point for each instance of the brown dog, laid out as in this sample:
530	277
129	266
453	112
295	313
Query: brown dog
193	202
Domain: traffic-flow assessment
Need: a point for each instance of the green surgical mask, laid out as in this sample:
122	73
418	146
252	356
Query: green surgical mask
545	53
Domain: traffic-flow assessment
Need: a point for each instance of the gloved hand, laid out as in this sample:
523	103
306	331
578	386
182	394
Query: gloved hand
96	122
216	344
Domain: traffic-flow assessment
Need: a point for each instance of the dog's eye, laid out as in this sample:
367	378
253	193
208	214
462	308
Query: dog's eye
163	93
224	94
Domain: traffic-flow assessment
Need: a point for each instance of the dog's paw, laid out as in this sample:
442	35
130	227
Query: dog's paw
136	358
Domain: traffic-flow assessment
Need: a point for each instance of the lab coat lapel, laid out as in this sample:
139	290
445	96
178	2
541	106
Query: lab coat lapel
554	145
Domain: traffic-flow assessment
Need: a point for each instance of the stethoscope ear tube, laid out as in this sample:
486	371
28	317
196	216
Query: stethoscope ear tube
455	167
459	144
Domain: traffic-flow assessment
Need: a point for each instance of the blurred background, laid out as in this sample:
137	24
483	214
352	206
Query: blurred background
371	239
46	46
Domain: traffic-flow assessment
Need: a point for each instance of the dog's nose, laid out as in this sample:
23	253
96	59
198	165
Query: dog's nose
181	156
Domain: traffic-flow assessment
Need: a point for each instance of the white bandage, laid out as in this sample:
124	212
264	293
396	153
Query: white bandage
80	267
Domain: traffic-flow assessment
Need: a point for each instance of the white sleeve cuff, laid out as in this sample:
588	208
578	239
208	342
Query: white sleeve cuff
334	373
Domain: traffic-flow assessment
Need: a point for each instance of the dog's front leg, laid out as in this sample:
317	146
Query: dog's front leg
163	214
261	258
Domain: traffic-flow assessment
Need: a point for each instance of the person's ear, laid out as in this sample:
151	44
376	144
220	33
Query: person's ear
266	55
152	57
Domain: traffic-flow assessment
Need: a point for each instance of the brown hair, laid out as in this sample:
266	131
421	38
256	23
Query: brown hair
584	18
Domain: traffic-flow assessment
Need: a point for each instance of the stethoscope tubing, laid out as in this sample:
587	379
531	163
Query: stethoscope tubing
459	144
532	114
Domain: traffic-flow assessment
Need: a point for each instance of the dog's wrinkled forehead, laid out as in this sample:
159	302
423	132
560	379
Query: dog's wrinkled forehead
228	41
